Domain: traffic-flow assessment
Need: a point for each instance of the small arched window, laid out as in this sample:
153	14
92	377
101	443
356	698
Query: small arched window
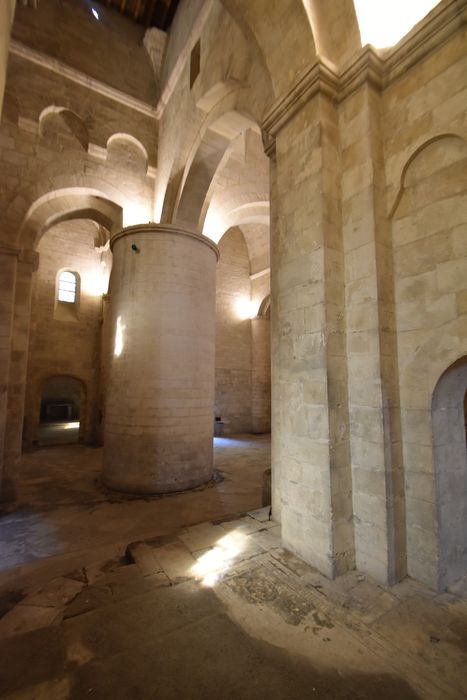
67	287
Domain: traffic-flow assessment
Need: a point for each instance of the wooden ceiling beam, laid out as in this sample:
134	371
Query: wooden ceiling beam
150	12
147	12
164	11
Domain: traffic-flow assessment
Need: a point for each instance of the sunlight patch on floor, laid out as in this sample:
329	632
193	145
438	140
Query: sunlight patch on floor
212	565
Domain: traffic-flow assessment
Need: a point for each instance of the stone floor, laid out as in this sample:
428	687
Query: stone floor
213	610
63	433
64	518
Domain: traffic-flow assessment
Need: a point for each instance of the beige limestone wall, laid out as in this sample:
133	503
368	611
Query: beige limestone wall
233	398
44	151
377	475
110	50
310	447
7	11
65	341
427	203
261	375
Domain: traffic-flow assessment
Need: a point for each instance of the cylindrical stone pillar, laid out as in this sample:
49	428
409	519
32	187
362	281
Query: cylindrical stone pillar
158	432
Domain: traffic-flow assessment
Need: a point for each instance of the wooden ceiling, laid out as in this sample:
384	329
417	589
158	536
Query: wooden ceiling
150	13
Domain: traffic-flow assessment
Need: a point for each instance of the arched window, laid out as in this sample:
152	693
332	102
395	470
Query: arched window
67	287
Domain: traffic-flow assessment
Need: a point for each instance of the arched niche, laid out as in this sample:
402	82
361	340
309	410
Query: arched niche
233	334
434	154
261	368
55	121
450	467
62	410
125	152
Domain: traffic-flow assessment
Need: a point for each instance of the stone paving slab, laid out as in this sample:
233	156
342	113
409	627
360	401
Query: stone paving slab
202	536
176	561
177	632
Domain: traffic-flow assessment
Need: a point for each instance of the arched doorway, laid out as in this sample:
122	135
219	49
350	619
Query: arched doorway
450	462
61	411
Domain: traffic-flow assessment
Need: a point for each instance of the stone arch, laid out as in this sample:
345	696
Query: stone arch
203	164
335	29
411	161
124	150
450	468
70	385
68	203
54	120
254	215
264	310
251	213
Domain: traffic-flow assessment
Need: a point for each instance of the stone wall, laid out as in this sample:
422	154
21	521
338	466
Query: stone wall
70	147
110	50
7	10
233	335
425	133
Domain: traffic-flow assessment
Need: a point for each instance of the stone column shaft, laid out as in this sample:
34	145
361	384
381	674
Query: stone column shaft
159	418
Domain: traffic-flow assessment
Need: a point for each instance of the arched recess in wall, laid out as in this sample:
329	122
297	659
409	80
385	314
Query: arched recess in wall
68	203
450	464
190	208
54	120
412	161
233	368
430	291
124	151
261	368
63	410
253	219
